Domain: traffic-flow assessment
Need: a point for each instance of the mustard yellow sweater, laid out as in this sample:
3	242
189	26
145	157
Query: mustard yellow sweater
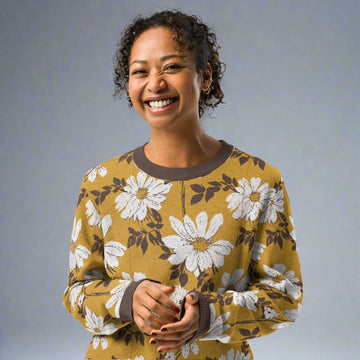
222	228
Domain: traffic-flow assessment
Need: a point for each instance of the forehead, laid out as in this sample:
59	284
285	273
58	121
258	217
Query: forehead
155	42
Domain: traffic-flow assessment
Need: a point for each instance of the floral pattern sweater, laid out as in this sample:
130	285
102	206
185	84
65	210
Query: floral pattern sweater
222	228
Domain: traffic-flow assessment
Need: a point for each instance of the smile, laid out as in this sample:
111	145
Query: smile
158	104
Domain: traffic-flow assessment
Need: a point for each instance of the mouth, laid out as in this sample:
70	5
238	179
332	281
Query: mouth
161	103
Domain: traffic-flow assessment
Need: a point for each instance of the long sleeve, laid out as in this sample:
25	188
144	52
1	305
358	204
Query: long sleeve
101	303
222	229
267	296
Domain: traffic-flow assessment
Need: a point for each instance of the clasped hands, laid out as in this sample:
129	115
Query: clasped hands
167	331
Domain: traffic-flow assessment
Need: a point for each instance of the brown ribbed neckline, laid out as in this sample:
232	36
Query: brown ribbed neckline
183	173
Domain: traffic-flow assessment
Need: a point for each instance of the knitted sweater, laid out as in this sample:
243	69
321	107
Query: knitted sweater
222	228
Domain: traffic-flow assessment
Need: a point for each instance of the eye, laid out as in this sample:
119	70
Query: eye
173	67
138	72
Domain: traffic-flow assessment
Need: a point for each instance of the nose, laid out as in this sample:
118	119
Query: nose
156	83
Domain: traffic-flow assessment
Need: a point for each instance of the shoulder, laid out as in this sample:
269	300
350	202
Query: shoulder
119	165
254	166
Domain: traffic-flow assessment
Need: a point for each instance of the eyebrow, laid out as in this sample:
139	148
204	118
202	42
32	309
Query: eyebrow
164	58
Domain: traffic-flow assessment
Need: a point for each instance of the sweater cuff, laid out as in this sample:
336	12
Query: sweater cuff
204	313
126	312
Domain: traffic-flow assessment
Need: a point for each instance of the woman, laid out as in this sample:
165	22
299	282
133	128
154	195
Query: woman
183	248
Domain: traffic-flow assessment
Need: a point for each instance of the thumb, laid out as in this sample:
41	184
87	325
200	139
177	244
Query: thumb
192	298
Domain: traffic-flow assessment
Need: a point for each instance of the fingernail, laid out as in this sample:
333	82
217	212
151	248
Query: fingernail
153	342
159	351
176	309
175	320
192	296
163	330
153	334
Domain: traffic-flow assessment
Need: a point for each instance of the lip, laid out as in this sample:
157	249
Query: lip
157	98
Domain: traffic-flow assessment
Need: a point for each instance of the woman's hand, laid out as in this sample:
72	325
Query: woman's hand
152	297
173	336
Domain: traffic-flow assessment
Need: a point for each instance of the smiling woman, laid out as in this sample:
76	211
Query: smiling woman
164	84
183	248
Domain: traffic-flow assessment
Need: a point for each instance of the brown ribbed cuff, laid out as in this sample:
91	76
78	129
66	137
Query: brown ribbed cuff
204	312
126	313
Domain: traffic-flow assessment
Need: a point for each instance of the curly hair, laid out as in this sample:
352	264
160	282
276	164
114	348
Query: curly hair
191	35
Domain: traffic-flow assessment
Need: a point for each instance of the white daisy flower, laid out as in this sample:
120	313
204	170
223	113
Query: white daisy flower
170	355
281	280
281	325
245	298
193	346
95	324
118	291
276	205
137	276
92	213
194	244
257	250
113	250
231	356
80	253
178	294
293	314
249	199
92	173
95	218
81	301
74	293
106	222
292	234
141	194
270	313
217	327
97	339
234	281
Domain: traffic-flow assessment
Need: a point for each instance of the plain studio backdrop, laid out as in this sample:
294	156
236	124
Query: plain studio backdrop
292	98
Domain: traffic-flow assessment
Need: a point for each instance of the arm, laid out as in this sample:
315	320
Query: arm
266	296
104	304
269	296
100	303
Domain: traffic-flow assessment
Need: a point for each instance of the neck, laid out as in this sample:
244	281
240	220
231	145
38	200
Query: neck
181	149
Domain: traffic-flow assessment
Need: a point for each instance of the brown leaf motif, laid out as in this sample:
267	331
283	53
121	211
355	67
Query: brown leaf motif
249	334
244	158
246	237
126	157
144	236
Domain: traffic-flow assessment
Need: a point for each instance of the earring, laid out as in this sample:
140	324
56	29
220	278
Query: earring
207	91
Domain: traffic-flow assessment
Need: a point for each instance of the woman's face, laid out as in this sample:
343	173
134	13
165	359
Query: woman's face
164	85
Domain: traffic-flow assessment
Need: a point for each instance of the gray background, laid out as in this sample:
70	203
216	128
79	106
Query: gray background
292	93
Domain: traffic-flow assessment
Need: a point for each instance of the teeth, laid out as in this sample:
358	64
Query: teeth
160	103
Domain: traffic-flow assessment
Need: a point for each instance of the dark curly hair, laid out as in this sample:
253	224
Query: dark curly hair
190	34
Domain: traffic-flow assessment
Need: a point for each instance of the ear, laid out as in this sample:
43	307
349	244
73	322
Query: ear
206	78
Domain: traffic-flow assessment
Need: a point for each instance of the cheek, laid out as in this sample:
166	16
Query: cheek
134	92
192	88
131	88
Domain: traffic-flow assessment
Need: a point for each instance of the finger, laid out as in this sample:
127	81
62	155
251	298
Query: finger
173	336
160	297
150	317
190	319
192	298
156	307
145	328
170	345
